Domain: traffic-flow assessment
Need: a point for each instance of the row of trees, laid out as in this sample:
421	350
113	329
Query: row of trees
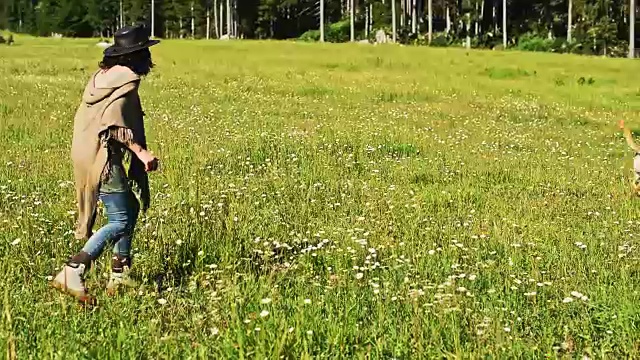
598	26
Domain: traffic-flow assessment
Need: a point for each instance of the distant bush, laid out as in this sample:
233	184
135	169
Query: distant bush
580	49
406	36
559	45
6	38
489	40
441	40
531	42
620	49
336	32
311	35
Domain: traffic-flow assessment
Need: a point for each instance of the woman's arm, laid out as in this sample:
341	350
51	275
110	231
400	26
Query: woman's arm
126	138
148	159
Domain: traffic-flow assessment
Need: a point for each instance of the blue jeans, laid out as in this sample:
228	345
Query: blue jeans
122	209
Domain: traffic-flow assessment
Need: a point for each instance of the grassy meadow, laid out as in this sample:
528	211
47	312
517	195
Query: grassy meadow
335	201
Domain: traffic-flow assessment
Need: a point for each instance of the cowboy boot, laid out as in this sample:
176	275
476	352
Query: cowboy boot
119	277
70	279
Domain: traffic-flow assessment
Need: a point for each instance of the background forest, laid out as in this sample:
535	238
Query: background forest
580	26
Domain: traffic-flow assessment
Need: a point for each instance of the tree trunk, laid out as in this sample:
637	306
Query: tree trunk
504	23
469	31
153	18
393	20
215	19
352	18
477	23
180	29
221	18
481	16
121	14
321	20
549	19
430	15
229	18
414	17
236	23
366	25
193	23
632	29
208	24
370	19
570	17
448	29
495	18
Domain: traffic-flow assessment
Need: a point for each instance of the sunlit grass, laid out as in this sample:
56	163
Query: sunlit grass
335	201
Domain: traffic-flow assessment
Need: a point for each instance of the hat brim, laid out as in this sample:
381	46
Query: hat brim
114	50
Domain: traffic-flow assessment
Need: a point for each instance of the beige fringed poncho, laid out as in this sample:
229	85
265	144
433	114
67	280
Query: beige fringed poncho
109	109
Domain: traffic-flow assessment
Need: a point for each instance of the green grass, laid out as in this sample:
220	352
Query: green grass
428	203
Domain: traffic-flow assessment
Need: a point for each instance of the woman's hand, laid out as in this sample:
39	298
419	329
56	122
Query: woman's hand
149	160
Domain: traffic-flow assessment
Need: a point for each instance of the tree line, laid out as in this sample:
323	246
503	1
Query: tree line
602	27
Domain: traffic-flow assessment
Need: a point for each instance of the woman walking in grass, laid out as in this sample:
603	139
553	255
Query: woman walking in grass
109	126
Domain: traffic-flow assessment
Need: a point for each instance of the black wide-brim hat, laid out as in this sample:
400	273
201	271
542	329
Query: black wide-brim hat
130	39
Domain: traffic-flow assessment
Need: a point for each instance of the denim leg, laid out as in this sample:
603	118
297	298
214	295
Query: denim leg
122	246
119	215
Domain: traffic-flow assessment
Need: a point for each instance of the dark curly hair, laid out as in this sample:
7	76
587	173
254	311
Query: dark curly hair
139	62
